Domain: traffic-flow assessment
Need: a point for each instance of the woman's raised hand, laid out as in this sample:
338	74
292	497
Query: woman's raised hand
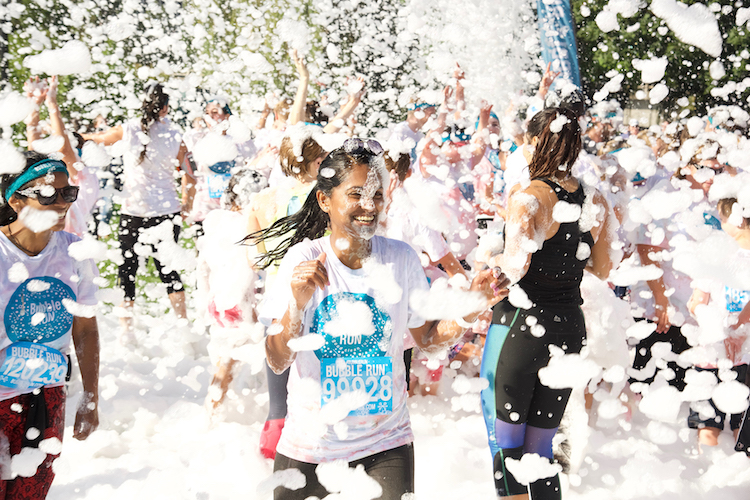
299	62
492	283
308	276
52	92
36	90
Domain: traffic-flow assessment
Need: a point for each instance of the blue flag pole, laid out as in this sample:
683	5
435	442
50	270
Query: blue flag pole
557	34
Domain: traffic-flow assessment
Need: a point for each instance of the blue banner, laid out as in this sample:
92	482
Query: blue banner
557	34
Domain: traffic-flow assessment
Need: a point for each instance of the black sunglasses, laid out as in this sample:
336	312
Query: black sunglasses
69	194
357	146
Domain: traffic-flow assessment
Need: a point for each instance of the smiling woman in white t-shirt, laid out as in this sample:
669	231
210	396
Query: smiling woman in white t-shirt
338	310
46	299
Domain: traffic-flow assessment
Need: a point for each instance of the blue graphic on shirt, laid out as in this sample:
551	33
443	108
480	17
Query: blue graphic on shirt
712	221
736	299
357	333
329	323
36	312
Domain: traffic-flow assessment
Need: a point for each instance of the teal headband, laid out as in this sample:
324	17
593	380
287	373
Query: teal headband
414	107
37	170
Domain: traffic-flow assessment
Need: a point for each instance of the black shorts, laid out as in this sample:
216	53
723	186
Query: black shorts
696	422
392	469
512	359
131	228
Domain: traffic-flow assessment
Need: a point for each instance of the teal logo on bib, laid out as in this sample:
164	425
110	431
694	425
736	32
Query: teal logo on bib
36	312
352	325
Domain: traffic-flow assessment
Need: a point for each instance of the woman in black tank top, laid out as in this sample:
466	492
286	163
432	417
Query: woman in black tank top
555	230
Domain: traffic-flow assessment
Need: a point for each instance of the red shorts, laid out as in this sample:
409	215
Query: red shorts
12	427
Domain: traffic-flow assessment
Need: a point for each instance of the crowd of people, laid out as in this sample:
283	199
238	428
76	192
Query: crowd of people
458	238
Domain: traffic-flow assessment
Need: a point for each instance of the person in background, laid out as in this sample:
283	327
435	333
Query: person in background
153	151
33	396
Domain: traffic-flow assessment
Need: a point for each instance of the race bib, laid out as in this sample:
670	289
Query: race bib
372	376
29	366
217	184
736	299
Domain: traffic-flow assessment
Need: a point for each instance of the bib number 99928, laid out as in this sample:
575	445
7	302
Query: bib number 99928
372	377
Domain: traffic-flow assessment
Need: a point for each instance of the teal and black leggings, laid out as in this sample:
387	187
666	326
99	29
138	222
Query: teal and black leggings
522	414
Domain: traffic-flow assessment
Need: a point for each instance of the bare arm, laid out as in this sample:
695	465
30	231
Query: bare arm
451	265
188	180
699	297
36	91
58	129
547	80
86	342
435	336
458	74
433	140
263	117
306	278
529	220
481	138
743	318
346	110
107	137
600	262
657	287
297	112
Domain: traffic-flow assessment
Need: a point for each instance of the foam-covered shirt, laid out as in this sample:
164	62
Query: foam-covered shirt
149	187
209	185
36	293
362	314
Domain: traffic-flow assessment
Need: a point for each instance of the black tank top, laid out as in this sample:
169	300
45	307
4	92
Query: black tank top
554	275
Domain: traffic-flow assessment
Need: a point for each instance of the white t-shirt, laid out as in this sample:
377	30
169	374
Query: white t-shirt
54	278
210	185
361	316
149	187
403	224
670	231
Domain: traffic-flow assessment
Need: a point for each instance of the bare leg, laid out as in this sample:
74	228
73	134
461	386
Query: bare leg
708	436
178	304
126	321
222	379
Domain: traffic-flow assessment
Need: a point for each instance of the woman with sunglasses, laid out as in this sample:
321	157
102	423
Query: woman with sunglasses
47	298
153	150
338	309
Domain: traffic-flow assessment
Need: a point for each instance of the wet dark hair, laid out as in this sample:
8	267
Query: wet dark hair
400	165
314	113
555	149
154	102
243	183
575	101
7	214
310	221
535	126
80	141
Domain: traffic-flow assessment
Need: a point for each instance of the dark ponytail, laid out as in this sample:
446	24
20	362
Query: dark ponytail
154	102
311	221
556	152
7	214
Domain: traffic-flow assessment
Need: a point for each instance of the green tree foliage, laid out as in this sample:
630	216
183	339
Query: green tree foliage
644	36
